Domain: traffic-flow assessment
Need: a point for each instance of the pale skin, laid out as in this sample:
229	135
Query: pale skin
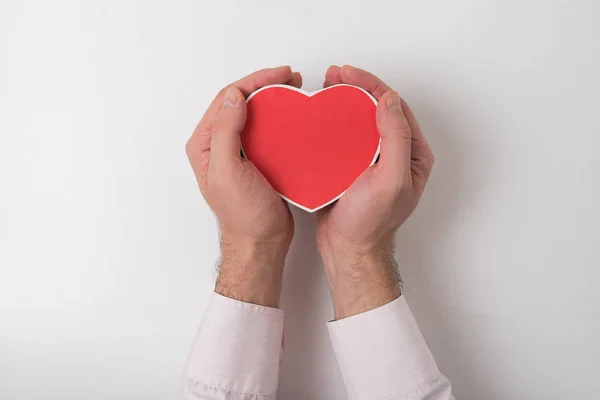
355	235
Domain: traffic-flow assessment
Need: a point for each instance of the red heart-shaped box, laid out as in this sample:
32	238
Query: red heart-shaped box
311	146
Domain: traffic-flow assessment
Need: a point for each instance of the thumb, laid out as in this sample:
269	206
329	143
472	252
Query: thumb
395	135
225	142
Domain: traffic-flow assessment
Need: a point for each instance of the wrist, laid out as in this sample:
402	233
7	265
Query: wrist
361	278
251	271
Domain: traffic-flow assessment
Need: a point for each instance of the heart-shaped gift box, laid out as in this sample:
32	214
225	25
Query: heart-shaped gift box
311	146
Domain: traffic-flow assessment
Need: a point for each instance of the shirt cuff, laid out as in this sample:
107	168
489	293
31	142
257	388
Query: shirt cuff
237	347
381	353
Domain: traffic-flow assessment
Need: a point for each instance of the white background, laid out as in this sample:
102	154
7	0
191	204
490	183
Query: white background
107	250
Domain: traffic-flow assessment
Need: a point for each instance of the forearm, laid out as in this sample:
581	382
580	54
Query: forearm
360	279
251	272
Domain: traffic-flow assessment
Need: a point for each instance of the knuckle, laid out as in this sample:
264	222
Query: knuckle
403	125
216	126
420	165
197	147
431	159
430	164
421	169
191	148
256	81
402	132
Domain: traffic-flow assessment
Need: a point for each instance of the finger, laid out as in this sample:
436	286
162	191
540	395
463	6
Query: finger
264	77
361	78
396	135
249	84
225	142
332	76
295	80
417	134
199	143
421	155
326	83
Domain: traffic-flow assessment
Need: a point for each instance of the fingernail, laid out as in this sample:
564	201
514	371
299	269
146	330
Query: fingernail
231	98
393	103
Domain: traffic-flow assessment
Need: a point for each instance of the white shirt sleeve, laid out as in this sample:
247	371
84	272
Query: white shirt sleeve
382	355
236	352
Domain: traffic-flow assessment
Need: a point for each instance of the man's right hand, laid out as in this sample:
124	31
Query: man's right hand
355	236
256	224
